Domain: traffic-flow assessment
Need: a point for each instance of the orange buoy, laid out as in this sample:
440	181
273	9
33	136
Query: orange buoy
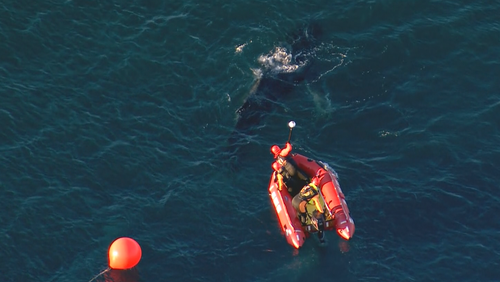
124	253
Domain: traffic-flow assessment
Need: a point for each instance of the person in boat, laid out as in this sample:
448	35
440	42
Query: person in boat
308	194
292	176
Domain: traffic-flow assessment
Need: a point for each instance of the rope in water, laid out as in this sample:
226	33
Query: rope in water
104	271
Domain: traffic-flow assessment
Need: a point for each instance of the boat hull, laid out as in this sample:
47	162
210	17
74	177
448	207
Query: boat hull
287	216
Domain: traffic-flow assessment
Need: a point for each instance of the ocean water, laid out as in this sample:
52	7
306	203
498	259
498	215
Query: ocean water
115	118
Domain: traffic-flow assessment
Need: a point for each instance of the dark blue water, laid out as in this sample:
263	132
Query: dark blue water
115	118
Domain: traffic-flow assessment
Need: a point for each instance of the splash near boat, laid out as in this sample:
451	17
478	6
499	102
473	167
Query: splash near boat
307	197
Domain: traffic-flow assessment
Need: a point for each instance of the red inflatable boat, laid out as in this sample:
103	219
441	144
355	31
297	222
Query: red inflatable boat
331	211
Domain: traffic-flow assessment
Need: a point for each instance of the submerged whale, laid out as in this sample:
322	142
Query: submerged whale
281	70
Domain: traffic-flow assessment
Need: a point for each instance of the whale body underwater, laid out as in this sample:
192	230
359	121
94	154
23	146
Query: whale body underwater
282	69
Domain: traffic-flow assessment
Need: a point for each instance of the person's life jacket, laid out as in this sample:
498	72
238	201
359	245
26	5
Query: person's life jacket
310	195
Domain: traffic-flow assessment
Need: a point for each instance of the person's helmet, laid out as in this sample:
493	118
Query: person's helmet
306	192
275	149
